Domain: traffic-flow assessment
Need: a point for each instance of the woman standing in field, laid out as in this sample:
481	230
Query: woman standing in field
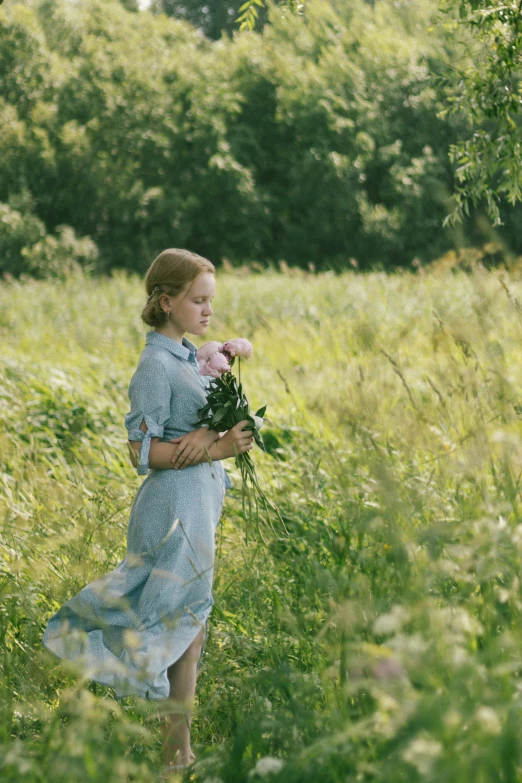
142	628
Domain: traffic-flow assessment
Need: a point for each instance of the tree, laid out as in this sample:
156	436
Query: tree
249	11
316	140
213	17
130	5
485	87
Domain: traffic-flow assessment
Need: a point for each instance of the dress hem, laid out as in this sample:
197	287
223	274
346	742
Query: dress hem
123	677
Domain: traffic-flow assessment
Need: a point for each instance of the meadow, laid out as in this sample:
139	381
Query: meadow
382	640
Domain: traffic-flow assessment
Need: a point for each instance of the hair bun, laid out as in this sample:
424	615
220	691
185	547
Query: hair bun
154	291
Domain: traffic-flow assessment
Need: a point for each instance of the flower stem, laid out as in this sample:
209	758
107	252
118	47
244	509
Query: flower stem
252	491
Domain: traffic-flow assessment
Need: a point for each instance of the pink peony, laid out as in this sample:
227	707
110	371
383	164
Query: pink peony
238	347
204	369
215	366
207	350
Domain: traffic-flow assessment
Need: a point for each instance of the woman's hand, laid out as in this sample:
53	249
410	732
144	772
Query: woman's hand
192	447
235	441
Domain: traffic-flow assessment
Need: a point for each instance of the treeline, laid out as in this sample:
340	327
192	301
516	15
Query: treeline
316	141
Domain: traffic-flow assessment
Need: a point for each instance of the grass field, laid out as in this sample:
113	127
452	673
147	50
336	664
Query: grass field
382	641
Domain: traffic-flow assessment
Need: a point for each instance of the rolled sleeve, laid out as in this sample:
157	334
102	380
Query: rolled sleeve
150	396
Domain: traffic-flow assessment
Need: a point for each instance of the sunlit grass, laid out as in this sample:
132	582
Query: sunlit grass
382	641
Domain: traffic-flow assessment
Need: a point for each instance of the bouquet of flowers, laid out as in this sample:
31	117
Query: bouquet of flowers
226	406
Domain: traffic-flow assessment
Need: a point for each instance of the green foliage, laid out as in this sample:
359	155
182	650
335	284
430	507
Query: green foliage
249	14
485	88
215	17
316	141
57	256
18	230
25	244
381	640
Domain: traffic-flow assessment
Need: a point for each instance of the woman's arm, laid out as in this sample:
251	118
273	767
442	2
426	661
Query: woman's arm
161	454
234	441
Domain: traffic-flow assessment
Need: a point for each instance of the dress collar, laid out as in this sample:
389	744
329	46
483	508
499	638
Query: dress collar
183	350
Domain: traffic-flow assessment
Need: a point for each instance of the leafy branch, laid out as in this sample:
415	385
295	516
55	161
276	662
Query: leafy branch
488	94
248	13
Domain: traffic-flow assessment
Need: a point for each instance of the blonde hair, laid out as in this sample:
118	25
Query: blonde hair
169	273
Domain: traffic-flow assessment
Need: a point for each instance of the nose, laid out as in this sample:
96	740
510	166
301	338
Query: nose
208	310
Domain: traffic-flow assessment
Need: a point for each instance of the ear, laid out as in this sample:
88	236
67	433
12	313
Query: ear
164	302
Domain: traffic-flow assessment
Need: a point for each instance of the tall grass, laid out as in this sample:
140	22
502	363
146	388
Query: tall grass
382	641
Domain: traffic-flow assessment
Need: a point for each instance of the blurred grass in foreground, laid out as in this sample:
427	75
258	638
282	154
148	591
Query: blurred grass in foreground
383	641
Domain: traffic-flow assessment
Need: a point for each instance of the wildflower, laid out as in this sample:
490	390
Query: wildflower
266	766
421	753
238	347
392	621
207	350
488	720
387	668
214	366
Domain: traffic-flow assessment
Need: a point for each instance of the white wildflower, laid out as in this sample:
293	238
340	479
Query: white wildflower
412	644
488	720
422	753
266	766
459	621
391	622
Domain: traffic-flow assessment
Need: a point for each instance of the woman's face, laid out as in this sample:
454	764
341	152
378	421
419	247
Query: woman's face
191	309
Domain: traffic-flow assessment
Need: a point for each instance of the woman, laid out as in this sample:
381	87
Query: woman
142	627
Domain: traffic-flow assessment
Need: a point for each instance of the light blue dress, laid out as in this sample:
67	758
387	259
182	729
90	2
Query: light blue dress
126	628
